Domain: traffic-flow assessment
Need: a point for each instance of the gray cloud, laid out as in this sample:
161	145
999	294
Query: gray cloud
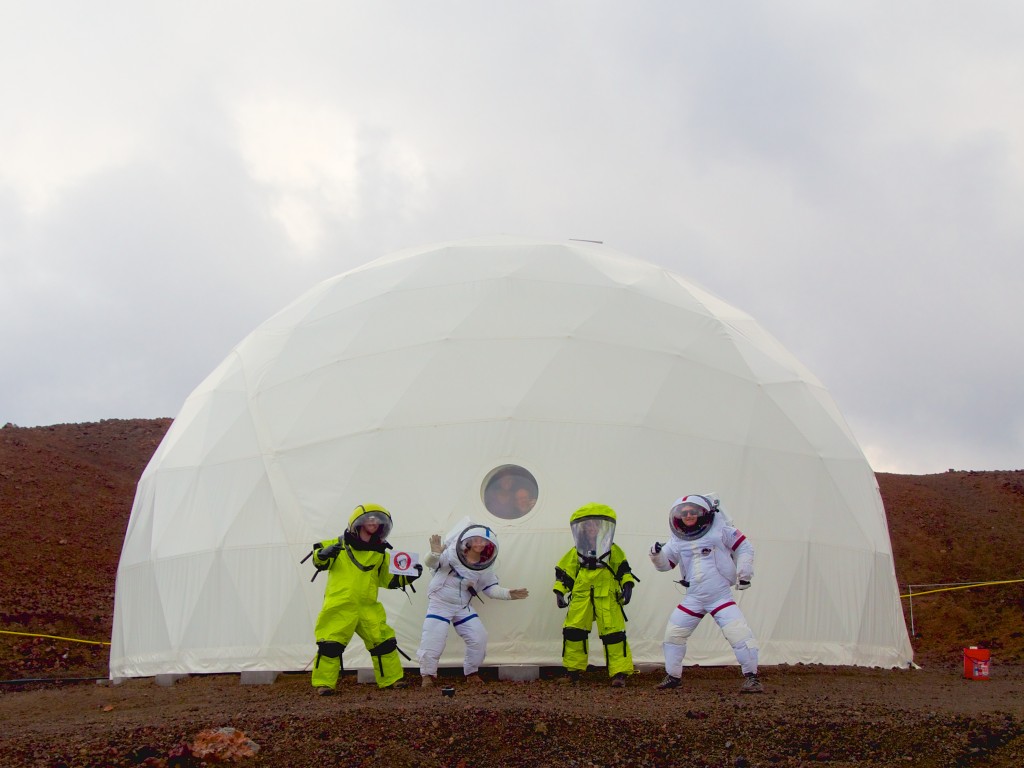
852	178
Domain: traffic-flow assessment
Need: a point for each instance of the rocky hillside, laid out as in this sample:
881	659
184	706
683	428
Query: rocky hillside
960	527
66	493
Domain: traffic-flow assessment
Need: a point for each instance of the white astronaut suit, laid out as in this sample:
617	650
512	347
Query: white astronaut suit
456	581
712	556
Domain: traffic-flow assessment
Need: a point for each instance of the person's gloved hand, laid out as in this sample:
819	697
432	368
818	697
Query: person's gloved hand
743	584
435	544
326	553
656	548
627	592
560	600
419	572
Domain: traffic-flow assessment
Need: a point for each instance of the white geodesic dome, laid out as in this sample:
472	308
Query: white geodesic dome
409	381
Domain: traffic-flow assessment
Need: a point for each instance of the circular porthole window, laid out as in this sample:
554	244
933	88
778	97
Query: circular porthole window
509	492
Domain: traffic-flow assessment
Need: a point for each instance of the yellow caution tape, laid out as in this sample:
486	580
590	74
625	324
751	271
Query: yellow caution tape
966	586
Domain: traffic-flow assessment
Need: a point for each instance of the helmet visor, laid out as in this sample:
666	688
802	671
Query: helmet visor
689	520
477	547
372	526
593	535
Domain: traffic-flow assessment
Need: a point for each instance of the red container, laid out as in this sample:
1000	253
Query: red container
976	661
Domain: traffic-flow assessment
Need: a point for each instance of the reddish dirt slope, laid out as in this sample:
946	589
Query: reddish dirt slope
960	527
66	492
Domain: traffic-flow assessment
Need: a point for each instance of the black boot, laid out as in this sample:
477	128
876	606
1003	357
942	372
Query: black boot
751	684
669	682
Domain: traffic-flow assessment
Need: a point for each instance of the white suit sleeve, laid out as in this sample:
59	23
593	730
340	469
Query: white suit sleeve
664	560
742	552
432	560
496	592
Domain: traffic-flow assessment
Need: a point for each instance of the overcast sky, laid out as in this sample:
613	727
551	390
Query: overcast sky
850	174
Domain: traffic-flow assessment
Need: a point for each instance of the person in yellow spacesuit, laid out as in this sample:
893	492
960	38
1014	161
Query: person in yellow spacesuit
357	565
594	581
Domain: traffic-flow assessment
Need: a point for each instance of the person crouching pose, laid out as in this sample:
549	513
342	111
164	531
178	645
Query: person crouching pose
357	565
712	557
462	570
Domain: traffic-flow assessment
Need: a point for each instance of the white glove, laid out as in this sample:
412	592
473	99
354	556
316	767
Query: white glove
655	553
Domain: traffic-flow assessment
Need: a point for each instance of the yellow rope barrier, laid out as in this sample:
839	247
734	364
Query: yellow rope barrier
53	637
910	594
966	586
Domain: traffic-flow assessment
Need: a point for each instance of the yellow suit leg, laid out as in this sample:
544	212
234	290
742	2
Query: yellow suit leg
334	627
326	671
611	626
380	642
578	622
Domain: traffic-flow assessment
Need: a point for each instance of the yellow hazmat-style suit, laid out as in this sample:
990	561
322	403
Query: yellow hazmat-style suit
595	580
357	565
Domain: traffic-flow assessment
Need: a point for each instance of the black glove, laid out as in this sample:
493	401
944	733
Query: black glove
326	553
627	592
743	584
657	547
560	600
419	572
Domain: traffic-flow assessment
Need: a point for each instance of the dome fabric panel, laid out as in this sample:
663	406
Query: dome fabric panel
407	381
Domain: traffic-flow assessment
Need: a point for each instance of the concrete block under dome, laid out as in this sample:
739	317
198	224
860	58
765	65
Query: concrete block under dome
519	672
259	678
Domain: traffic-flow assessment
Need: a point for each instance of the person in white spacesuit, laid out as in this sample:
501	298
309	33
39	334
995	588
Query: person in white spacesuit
463	568
712	557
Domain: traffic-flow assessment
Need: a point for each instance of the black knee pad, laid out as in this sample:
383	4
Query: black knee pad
613	637
330	649
574	633
386	647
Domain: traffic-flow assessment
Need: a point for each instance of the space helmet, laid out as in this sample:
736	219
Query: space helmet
369	513
694	505
477	547
593	530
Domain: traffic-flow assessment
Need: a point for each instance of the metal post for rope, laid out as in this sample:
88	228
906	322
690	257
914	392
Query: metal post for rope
910	595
